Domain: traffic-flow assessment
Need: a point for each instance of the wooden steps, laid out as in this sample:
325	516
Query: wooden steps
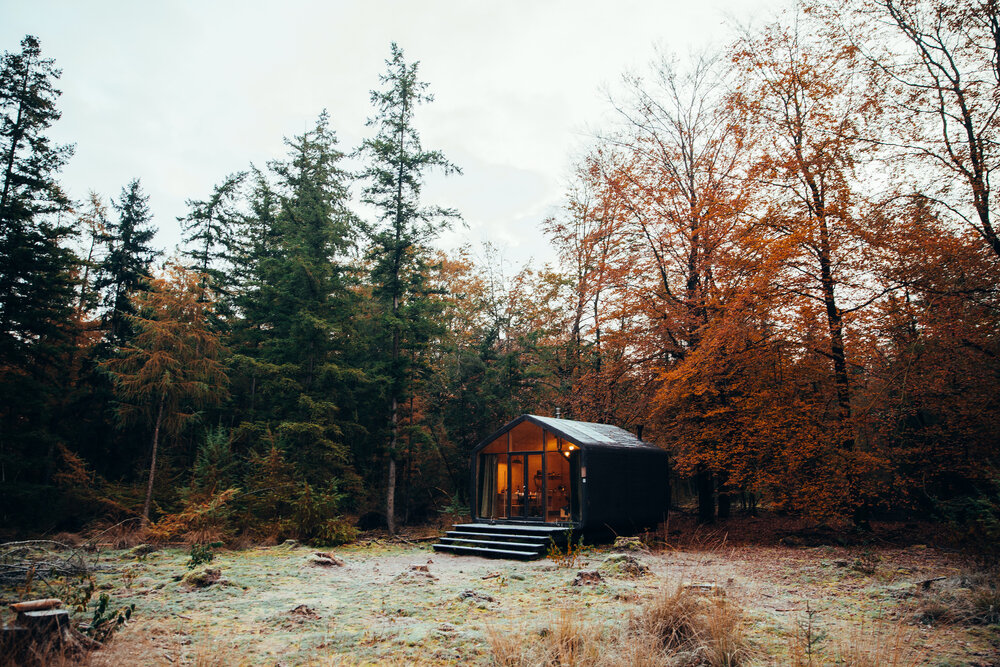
502	540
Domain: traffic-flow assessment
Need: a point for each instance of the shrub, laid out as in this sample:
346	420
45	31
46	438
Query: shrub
106	619
201	520
975	523
568	557
201	554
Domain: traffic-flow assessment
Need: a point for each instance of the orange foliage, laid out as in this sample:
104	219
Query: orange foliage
745	282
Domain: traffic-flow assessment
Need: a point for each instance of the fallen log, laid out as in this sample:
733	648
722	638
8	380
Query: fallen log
36	605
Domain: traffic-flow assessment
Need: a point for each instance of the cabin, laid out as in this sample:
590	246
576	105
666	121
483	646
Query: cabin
539	480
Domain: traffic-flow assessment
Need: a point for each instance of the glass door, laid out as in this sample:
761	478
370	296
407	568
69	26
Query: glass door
515	488
534	483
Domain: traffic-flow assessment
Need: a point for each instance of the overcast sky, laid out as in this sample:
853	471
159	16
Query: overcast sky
181	93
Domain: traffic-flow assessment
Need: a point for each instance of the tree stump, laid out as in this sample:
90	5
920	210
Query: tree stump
45	622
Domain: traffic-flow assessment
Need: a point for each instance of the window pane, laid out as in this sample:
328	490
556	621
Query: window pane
526	437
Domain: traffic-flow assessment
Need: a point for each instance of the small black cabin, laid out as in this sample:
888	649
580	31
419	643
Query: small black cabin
591	477
538	477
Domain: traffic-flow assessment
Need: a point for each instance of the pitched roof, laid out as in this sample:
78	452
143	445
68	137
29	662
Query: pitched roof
588	433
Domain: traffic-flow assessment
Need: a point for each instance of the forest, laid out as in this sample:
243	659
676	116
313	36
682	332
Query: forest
781	260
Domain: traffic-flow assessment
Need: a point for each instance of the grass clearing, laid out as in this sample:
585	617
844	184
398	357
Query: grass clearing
404	604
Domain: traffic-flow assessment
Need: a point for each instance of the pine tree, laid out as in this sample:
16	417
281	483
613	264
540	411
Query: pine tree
128	260
396	162
209	228
35	267
94	224
37	281
294	364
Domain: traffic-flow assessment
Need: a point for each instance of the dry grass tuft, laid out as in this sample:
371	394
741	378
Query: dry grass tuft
877	644
564	641
122	535
677	627
707	627
880	646
970	599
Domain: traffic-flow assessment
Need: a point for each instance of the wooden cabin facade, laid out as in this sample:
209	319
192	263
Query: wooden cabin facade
542	477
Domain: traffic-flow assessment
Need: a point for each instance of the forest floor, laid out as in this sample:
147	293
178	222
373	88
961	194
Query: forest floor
401	603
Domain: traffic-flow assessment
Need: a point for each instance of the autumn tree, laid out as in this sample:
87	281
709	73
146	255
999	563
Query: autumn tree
939	63
592	255
936	137
171	367
395	164
808	93
936	376
676	174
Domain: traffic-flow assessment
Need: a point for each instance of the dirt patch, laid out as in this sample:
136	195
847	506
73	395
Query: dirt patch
587	578
304	611
416	574
324	559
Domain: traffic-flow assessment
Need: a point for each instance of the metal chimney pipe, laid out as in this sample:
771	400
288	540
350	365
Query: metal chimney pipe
557	412
638	431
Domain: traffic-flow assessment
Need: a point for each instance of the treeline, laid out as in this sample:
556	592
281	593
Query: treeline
294	365
785	257
781	261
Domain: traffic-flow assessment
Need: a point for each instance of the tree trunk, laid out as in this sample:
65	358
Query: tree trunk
152	464
390	493
407	468
835	325
16	134
706	496
725	498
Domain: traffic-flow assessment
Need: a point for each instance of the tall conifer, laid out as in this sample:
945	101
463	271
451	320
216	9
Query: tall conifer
128	260
35	267
295	306
36	276
396	163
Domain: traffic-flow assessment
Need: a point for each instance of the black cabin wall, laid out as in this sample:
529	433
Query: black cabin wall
625	490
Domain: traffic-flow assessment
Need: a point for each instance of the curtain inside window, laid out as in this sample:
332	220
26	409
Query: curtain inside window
487	484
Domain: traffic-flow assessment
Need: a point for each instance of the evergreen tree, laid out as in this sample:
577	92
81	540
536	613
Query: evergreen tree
294	336
36	283
93	222
209	228
253	243
36	278
128	260
396	162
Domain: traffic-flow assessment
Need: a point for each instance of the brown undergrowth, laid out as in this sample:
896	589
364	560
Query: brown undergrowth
767	529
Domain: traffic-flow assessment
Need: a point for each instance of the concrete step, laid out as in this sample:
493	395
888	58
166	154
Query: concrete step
488	553
515	528
497	536
491	544
506	540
